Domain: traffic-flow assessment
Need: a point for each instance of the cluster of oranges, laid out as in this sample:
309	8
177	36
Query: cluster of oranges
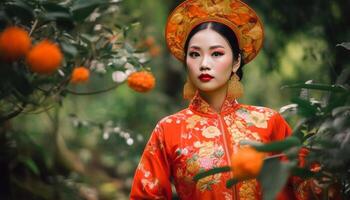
43	58
46	57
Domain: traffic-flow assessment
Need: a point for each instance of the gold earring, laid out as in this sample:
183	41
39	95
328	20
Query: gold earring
189	90
235	87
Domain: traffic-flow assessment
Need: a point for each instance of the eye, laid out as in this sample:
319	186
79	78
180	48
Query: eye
193	54
217	54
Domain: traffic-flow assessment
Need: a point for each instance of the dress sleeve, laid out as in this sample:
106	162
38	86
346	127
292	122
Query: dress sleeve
281	129
296	188
152	176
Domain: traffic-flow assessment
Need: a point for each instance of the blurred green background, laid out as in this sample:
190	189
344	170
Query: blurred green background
101	137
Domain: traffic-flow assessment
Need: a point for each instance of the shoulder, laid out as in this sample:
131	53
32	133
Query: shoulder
257	110
176	119
260	116
270	119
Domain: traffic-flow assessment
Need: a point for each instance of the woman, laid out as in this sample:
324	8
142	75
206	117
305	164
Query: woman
214	39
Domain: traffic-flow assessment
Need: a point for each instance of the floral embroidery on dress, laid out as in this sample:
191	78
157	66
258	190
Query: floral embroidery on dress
248	189
211	132
209	155
153	146
192	121
148	181
200	105
200	156
257	118
239	129
207	182
227	196
238	135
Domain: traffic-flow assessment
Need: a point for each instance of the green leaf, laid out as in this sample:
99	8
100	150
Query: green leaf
55	16
3	19
278	146
211	172
87	38
326	144
69	49
82	8
19	9
314	86
54	7
346	45
63	19
302	172
30	164
250	142
231	182
338	110
21	83
298	128
273	176
305	107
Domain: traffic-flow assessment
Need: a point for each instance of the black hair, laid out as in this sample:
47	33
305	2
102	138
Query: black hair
224	31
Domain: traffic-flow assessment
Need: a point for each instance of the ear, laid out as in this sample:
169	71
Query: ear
236	64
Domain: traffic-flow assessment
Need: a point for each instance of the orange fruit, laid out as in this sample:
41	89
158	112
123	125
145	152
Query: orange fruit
80	75
154	51
14	43
247	163
141	81
150	41
44	58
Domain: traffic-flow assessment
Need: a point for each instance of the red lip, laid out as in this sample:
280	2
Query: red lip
205	77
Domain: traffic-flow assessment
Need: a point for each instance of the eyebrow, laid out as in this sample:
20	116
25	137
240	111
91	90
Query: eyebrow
212	47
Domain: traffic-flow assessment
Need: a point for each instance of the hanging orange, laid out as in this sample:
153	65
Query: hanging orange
141	81
44	58
80	75
14	43
154	51
149	41
247	163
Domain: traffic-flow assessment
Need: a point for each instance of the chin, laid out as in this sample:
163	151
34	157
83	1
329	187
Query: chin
210	88
207	89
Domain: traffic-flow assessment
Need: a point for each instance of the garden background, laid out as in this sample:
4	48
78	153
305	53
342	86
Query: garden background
61	140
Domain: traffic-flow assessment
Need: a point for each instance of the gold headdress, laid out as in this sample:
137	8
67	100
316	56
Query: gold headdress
235	14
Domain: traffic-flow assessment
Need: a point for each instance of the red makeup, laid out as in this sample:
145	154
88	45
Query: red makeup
205	77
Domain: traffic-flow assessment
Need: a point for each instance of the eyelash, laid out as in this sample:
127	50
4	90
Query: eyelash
196	54
217	53
192	54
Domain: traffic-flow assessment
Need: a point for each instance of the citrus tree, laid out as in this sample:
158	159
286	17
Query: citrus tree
48	49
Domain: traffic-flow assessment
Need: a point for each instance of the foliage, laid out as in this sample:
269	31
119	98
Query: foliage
323	129
94	47
75	26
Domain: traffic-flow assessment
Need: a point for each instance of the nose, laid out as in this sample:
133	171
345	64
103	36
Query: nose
205	64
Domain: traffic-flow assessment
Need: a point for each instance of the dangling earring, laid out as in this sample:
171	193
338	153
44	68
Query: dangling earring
189	90
235	87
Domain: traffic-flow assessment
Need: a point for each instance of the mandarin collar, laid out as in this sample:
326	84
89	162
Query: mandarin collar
199	105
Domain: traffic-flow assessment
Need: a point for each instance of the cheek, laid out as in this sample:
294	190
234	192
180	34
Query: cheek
225	65
191	66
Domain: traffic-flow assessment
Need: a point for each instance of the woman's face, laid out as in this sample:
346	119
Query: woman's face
209	61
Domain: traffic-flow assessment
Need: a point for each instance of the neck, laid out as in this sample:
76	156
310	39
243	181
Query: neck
215	98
